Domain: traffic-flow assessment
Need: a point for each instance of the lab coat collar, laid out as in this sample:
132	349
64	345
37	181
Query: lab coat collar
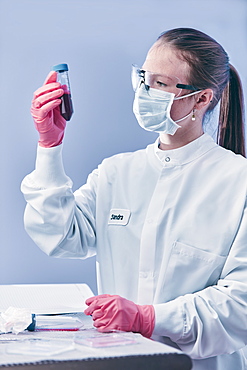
185	154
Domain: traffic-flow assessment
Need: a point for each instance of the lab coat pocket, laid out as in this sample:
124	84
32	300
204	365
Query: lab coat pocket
190	269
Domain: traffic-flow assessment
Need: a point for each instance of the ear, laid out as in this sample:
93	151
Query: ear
203	98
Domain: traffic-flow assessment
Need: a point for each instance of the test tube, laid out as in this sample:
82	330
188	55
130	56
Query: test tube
66	106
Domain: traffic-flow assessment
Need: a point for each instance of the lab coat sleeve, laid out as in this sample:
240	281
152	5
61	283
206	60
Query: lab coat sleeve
212	321
52	218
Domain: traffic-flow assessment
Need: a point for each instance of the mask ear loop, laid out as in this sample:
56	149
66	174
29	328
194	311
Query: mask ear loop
193	118
181	119
187	95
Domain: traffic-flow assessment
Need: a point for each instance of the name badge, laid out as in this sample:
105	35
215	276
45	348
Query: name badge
119	216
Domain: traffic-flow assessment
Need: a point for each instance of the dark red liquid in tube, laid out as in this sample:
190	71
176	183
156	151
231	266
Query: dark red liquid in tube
66	106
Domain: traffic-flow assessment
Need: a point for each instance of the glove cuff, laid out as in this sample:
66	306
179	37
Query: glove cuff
147	320
50	139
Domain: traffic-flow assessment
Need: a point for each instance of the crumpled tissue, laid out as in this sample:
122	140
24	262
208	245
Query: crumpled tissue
15	320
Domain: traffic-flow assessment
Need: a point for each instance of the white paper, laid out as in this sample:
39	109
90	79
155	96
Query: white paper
45	298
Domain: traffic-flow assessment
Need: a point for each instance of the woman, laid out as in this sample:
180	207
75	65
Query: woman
168	224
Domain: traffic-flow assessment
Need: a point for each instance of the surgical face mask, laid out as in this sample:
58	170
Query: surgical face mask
152	106
152	110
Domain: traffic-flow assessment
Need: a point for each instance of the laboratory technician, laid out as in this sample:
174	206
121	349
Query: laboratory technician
168	223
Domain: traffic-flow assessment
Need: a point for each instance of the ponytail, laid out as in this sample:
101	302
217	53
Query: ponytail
231	120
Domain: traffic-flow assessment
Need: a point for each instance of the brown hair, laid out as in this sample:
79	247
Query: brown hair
210	68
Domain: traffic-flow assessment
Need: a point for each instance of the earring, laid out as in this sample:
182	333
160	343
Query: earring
193	118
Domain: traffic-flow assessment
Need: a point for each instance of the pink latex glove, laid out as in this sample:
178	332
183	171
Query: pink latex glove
46	112
112	312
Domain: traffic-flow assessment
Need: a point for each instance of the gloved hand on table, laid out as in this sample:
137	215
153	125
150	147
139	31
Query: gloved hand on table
112	312
46	112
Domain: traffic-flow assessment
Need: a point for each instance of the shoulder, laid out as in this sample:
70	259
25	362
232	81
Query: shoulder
229	168
230	158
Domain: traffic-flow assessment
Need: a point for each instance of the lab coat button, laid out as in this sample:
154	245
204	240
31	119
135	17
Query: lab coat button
167	159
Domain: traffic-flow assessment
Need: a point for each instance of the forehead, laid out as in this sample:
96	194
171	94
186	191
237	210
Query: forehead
165	60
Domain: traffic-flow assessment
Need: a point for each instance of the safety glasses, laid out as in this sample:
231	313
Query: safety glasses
161	82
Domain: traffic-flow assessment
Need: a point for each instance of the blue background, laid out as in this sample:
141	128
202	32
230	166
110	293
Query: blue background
99	39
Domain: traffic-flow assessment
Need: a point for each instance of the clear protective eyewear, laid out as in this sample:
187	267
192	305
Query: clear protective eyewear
162	82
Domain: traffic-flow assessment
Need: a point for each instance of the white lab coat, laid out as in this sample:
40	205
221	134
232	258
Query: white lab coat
170	232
